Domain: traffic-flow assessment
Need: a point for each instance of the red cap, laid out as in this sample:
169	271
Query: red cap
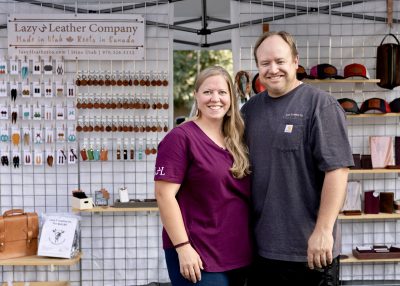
375	103
355	69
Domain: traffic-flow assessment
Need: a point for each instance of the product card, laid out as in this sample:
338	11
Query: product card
57	236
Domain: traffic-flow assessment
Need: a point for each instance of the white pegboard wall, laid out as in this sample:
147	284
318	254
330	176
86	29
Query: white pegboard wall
118	248
347	32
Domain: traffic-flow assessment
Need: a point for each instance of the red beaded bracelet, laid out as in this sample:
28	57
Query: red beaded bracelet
181	244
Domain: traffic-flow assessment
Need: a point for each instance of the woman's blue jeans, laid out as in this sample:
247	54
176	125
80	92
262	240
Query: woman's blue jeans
228	278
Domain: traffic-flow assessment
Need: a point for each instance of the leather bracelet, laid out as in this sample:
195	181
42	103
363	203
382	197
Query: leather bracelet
181	244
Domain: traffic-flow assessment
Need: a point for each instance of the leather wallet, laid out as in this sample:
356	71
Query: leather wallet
386	201
371	202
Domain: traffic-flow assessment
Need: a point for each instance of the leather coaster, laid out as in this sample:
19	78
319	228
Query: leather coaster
366	162
386	202
357	161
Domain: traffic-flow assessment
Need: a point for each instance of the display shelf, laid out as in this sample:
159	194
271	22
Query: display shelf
352	259
369	216
372	80
113	209
40	261
41	283
373	171
371	115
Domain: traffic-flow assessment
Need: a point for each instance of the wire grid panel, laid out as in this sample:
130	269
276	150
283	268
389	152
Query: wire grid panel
339	33
120	248
124	249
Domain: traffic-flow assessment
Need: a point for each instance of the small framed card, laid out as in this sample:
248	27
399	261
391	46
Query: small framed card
57	236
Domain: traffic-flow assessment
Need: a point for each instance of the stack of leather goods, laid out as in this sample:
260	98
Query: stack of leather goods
376	251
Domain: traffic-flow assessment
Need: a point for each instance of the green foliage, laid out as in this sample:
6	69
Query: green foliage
186	66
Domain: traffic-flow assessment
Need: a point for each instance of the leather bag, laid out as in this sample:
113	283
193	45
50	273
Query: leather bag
18	234
388	64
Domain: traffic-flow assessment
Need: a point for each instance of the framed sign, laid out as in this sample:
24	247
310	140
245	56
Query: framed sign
80	36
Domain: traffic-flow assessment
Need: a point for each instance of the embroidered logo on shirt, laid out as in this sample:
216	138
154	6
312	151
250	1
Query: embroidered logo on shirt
159	171
288	128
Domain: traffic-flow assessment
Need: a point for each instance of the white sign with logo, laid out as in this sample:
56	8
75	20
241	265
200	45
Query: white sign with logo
80	36
57	236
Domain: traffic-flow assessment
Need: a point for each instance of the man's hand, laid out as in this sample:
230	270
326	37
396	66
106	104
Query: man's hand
319	252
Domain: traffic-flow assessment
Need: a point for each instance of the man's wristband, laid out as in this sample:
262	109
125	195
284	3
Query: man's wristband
181	244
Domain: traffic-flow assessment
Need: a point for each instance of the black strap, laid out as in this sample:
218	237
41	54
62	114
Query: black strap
390	34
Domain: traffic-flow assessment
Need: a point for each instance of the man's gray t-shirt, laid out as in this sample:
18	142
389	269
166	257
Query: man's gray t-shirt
293	140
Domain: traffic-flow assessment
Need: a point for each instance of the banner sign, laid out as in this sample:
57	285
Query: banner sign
80	36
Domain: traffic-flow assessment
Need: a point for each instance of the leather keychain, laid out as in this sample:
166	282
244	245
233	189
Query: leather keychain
118	153
103	154
125	153
84	154
96	154
95	82
90	153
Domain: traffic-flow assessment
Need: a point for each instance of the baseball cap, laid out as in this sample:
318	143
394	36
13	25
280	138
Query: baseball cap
375	104
301	73
256	84
355	70
395	105
323	71
349	105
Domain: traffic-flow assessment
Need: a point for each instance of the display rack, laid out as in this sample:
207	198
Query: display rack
351	259
40	261
374	171
341	80
113	209
363	216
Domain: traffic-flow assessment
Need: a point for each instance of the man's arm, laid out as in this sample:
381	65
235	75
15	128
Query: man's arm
320	243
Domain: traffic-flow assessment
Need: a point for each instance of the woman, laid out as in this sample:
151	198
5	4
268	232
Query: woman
203	191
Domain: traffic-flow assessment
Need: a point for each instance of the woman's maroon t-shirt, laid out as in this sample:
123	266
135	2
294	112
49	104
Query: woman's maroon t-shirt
215	206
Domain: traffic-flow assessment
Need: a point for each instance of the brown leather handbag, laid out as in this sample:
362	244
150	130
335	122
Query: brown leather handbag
18	234
388	64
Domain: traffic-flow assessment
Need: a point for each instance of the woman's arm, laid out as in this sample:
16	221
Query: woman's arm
171	217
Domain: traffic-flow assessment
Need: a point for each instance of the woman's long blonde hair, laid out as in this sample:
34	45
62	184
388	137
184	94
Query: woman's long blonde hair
232	126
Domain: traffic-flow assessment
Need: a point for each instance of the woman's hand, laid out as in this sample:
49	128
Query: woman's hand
190	263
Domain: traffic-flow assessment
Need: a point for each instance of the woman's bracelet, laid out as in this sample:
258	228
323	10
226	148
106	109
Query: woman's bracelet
181	244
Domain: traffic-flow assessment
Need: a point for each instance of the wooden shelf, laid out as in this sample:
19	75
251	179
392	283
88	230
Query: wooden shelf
342	80
373	171
40	261
352	259
370	115
369	216
55	283
113	209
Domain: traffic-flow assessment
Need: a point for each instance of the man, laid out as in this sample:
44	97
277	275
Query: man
300	154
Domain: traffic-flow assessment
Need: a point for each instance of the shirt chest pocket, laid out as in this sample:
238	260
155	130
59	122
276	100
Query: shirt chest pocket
289	135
